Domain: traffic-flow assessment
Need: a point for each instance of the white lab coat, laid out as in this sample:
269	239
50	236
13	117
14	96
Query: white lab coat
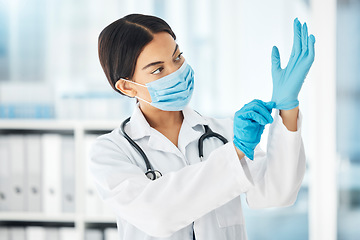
193	195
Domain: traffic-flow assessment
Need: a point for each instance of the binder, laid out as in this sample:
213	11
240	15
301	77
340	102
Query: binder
51	233
33	169
111	234
17	233
4	233
35	233
4	174
68	173
17	171
67	233
93	234
93	203
51	175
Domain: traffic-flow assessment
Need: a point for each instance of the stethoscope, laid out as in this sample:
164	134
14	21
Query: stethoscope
155	174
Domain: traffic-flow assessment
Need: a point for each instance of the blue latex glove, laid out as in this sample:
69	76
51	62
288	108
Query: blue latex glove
249	124
288	82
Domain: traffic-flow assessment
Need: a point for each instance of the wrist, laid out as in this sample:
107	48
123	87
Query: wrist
239	152
289	118
281	104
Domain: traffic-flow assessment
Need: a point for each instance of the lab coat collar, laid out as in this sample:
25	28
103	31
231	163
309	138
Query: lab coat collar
193	118
141	128
138	124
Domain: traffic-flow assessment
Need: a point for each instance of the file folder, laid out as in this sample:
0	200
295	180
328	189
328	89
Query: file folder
17	171
17	233
4	174
4	233
34	170
93	234
51	176
68	173
51	233
111	234
35	233
67	233
93	203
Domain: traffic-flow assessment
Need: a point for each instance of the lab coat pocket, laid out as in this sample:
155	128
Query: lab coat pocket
230	213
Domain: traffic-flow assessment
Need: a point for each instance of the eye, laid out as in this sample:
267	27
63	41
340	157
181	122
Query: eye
178	57
157	71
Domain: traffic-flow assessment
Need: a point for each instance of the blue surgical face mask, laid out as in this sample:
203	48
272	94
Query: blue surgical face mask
172	92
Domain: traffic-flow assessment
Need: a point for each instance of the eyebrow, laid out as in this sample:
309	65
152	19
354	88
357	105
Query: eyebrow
176	48
159	62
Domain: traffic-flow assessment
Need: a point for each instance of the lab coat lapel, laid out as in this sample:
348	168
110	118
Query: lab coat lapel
193	118
138	128
187	135
159	142
192	128
190	131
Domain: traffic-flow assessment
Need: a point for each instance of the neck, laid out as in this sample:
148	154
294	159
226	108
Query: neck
160	119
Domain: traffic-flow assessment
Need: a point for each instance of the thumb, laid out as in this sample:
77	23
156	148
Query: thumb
275	59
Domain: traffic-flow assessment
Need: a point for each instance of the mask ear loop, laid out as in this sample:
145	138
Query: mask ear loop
133	82
143	100
139	85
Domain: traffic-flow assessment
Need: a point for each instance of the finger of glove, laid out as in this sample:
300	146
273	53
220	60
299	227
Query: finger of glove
269	105
304	38
311	43
257	102
275	59
254	101
246	107
297	38
259	115
295	53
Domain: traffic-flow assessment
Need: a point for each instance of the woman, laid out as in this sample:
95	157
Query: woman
183	196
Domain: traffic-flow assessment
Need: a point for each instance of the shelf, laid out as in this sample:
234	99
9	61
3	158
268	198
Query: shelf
46	124
37	124
41	217
101	222
78	129
36	217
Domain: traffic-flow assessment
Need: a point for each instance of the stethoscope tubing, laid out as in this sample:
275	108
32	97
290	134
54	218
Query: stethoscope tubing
137	147
154	174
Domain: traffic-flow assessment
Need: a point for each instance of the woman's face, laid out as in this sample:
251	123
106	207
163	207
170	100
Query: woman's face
159	58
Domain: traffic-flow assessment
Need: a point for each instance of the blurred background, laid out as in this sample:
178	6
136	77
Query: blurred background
50	73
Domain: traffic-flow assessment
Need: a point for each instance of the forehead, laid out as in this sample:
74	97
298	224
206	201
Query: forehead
160	48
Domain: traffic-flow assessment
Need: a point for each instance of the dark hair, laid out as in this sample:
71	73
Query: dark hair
121	42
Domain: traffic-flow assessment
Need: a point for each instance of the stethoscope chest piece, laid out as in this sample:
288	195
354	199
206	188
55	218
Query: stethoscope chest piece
153	174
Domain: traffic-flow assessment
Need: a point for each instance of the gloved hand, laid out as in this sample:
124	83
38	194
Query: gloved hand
249	124
288	82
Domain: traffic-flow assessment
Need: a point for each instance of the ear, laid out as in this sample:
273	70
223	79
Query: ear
125	88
